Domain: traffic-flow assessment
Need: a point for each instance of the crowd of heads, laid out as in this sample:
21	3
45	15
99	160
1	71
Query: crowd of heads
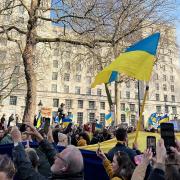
70	160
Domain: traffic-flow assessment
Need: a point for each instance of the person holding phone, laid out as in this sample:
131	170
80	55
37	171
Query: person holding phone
120	169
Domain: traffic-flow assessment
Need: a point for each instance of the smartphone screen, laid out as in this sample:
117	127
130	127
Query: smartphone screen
22	128
167	133
151	144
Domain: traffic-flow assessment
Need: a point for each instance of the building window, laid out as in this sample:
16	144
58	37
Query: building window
127	94
158	109
77	90
2	56
136	95
171	69
3	41
166	109
80	118
173	98
164	68
174	110
132	107
102	105
99	92
13	100
102	118
66	89
91	117
78	67
67	66
80	104
136	84
157	97
88	92
66	77
68	103
78	78
172	78
56	52
122	106
164	77
55	102
54	76
157	86
54	87
88	79
165	98
123	118
91	104
128	84
172	88
133	120
156	76
164	87
55	64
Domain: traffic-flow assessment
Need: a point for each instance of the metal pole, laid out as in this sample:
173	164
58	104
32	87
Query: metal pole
139	99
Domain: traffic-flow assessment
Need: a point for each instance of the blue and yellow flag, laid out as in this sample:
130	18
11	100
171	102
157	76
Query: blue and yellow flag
108	119
39	120
164	119
66	121
98	127
137	61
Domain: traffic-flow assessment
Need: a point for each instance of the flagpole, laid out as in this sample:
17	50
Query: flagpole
141	112
139	100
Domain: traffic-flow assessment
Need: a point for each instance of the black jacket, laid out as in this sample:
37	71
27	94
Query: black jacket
120	147
26	171
157	174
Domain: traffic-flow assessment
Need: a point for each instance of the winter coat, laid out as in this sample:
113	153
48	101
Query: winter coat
108	167
26	171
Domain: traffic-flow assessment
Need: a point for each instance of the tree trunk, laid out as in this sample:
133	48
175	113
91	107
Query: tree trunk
31	84
28	57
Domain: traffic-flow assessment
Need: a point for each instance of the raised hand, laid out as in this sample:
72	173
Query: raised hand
100	154
161	152
33	131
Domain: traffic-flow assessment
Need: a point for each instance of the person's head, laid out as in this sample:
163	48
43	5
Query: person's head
1	133
121	134
122	165
62	139
70	161
85	136
7	168
33	157
62	105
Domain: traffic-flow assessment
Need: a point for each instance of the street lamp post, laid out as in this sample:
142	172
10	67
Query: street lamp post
40	105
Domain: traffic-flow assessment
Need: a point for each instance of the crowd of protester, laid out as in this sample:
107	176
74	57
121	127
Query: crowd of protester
45	162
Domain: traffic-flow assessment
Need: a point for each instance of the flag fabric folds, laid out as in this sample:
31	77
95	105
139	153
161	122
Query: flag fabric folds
108	119
39	120
137	61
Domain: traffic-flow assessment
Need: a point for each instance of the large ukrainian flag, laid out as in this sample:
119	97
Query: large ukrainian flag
137	61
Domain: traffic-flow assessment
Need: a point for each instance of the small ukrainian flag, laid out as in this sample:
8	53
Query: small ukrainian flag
66	121
98	127
108	119
39	120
